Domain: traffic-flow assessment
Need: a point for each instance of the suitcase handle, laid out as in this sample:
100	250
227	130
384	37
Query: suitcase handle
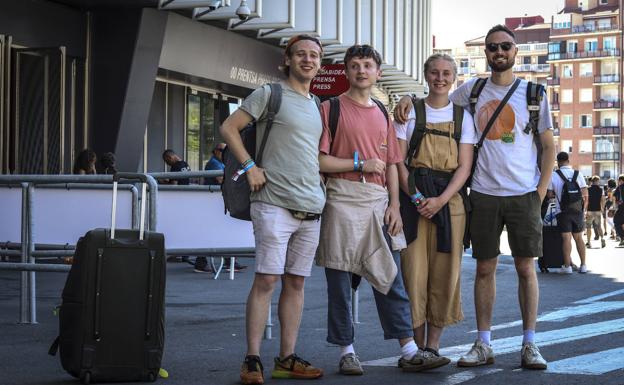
130	176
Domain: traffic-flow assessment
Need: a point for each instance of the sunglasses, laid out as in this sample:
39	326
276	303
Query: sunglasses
360	50
493	47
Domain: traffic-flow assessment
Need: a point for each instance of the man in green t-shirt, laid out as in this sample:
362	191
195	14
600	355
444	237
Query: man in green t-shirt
286	202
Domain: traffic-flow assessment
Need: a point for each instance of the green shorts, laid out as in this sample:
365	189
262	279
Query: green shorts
521	214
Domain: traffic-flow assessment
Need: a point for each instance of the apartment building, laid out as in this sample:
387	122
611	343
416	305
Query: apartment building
585	85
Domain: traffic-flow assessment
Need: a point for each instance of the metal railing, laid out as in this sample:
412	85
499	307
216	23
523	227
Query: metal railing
607	155
532	47
532	68
553	81
606	78
606	104
593	28
554	106
584	54
606	130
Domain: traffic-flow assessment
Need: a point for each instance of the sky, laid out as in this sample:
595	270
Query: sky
455	21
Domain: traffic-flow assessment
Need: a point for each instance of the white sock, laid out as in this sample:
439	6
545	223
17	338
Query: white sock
484	336
528	336
409	349
344	350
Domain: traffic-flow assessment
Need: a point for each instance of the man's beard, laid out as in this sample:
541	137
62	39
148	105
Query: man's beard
502	67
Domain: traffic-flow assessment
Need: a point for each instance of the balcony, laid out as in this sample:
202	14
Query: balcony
583	54
603	104
466	71
554	106
532	47
607	130
593	28
556	129
532	68
606	78
607	155
553	81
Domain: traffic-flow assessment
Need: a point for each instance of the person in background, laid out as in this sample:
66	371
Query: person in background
176	164
85	162
618	218
570	219
611	207
595	208
215	163
108	163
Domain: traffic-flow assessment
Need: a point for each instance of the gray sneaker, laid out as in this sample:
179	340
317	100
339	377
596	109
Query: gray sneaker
531	357
479	354
410	365
431	359
350	365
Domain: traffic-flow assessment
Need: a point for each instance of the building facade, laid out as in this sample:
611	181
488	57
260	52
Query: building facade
135	77
585	85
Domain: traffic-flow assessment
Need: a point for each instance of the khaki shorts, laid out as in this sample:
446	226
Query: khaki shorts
593	217
284	244
521	214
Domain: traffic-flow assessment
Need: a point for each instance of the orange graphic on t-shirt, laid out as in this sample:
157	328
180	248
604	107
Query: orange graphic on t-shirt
504	123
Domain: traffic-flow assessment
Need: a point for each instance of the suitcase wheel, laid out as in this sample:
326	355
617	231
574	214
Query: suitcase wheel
86	380
151	377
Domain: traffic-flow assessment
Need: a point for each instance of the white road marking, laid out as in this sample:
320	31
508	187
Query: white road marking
563	314
468	375
593	363
601	296
513	344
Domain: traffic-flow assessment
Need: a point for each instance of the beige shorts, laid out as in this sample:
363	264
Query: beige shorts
593	217
284	244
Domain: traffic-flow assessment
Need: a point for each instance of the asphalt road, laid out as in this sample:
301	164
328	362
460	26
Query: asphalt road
580	331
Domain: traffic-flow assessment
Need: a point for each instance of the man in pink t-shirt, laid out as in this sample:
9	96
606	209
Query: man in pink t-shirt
361	228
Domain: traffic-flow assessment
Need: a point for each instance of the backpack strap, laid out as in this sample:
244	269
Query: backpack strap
458	120
563	177
534	96
382	108
474	94
575	177
275	102
419	128
334	115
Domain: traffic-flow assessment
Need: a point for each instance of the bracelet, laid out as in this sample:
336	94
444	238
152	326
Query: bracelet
361	166
417	198
355	161
248	164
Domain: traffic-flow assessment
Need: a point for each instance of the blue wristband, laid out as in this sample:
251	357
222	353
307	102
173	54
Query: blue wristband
355	161
417	198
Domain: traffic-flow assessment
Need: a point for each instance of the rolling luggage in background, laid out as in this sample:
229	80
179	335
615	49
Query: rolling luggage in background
551	241
111	319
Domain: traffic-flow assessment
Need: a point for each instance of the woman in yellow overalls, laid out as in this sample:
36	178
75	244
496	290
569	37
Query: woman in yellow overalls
438	162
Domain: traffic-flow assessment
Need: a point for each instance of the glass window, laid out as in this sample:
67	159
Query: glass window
585	145
586	121
567	71
586	169
585	95
567	121
608	43
591	45
566	96
200	128
586	69
566	145
572	46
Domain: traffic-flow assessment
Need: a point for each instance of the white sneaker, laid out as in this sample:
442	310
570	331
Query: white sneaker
532	358
583	269
565	270
479	354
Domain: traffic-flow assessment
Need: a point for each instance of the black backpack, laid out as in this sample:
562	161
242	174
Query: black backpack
571	197
236	192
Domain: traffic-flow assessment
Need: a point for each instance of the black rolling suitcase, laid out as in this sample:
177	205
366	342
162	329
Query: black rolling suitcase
111	319
551	243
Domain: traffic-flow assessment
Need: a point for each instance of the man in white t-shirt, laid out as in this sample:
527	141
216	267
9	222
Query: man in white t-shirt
570	219
507	191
